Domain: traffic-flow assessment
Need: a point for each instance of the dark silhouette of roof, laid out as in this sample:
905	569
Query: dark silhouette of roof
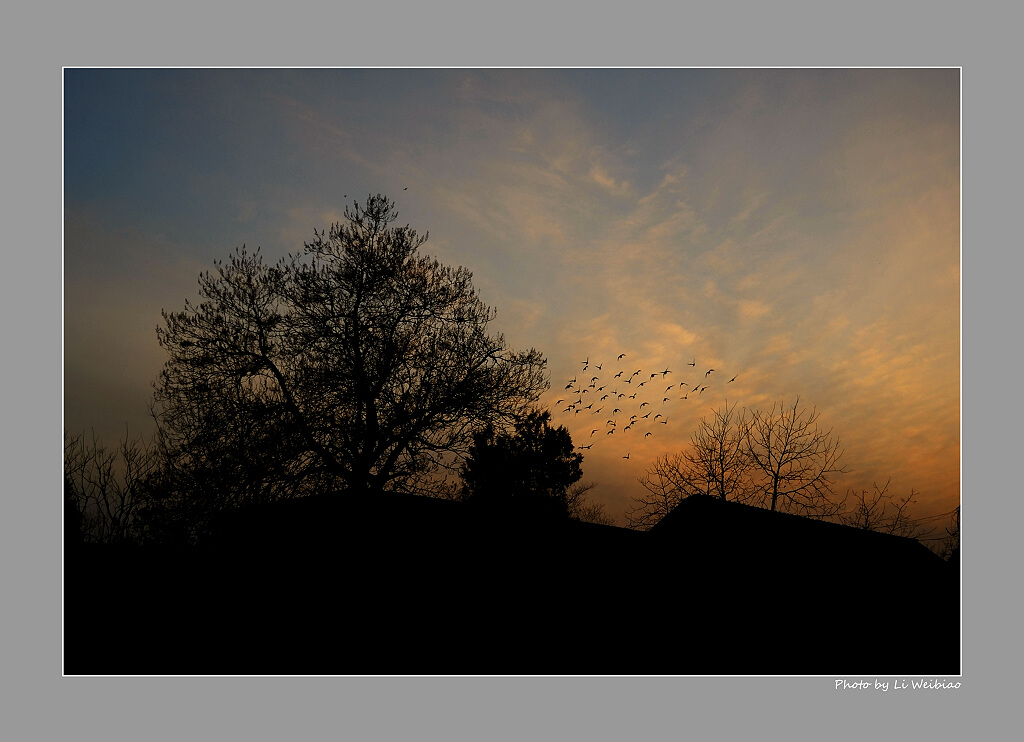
713	523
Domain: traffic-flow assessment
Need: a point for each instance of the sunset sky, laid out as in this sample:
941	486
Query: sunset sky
796	229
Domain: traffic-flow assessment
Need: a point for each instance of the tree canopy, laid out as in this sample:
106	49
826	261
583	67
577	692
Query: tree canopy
355	364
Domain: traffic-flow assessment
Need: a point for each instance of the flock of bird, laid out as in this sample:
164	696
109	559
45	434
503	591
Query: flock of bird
628	403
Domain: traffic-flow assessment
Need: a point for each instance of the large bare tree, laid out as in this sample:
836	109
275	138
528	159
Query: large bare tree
794	460
356	364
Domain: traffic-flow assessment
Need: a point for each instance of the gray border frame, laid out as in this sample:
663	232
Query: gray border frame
40	703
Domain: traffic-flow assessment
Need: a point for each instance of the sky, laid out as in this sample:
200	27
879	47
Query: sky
796	229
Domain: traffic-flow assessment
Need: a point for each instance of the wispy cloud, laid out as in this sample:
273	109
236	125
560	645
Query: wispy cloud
796	229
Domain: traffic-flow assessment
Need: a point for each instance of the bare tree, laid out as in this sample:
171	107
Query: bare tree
716	464
106	489
356	364
667	482
951	542
718	454
882	511
794	460
583	509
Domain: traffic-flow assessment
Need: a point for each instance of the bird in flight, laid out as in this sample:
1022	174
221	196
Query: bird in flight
592	432
626	456
692	364
702	390
708	372
586	446
618	374
732	379
621	356
644	404
665	372
646	434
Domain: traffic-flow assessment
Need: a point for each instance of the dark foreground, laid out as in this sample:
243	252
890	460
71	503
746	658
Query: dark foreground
407	586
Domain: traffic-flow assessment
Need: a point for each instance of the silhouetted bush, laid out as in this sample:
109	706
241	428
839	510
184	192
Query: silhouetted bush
536	464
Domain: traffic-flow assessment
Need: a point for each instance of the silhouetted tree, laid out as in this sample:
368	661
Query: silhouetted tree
716	463
881	511
794	460
534	461
104	490
950	549
667	482
74	534
356	364
582	509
